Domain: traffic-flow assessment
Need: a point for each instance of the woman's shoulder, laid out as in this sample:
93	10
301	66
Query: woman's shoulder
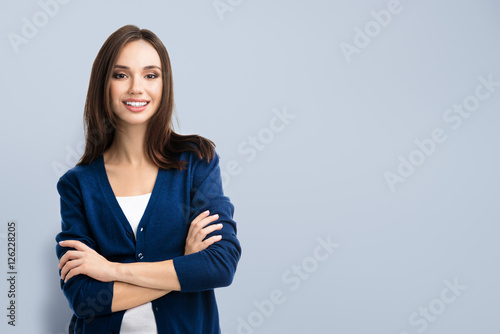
198	159
192	149
82	172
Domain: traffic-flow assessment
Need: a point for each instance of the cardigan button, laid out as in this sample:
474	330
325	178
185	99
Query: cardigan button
129	234
140	256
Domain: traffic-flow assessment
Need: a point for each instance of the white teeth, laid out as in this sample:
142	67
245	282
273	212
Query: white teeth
136	104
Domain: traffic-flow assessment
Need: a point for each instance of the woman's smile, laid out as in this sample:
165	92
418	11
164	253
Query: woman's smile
136	105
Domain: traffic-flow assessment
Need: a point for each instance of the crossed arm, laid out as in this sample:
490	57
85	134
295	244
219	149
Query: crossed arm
140	282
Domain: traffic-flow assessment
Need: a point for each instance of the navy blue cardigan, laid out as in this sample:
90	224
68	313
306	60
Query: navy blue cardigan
90	213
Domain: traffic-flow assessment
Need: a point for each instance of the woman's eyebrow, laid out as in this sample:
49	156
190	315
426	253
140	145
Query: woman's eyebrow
150	67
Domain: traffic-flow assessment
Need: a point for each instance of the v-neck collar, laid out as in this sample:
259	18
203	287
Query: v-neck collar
113	202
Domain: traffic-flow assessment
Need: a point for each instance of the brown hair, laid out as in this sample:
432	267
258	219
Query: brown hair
163	144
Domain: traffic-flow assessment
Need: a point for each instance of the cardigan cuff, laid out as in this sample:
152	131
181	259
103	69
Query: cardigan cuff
192	272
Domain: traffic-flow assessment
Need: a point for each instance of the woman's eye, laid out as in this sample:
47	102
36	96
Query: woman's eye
152	76
118	75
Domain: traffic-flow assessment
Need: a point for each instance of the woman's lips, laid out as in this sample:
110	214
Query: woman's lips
135	106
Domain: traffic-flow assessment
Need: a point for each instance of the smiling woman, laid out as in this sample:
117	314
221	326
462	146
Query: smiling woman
136	224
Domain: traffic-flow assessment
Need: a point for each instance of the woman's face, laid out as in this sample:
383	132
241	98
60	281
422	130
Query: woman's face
136	83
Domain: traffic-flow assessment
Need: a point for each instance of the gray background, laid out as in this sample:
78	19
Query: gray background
321	175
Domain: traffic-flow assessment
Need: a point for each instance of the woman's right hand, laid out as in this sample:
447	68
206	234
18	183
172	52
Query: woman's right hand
199	230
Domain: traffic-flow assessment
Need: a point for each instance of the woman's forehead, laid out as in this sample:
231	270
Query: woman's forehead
139	54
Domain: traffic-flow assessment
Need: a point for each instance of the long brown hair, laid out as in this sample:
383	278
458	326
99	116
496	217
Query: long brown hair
163	144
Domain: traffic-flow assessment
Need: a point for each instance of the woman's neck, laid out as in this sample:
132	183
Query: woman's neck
128	147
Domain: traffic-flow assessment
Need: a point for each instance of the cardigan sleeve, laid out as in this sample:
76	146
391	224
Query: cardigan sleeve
214	266
87	297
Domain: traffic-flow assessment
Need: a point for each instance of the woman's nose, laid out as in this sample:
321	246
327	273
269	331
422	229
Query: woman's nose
136	86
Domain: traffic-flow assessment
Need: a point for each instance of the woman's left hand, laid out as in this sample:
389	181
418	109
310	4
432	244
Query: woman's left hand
85	260
198	231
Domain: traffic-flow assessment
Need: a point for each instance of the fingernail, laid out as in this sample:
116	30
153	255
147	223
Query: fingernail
220	224
207	211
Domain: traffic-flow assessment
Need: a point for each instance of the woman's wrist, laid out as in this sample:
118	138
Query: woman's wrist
118	271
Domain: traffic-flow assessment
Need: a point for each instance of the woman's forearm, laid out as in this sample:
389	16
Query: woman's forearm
126	296
155	275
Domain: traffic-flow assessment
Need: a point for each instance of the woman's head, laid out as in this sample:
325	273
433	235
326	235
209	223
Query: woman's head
135	87
100	120
163	145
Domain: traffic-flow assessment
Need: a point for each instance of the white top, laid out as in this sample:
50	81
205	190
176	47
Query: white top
140	319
